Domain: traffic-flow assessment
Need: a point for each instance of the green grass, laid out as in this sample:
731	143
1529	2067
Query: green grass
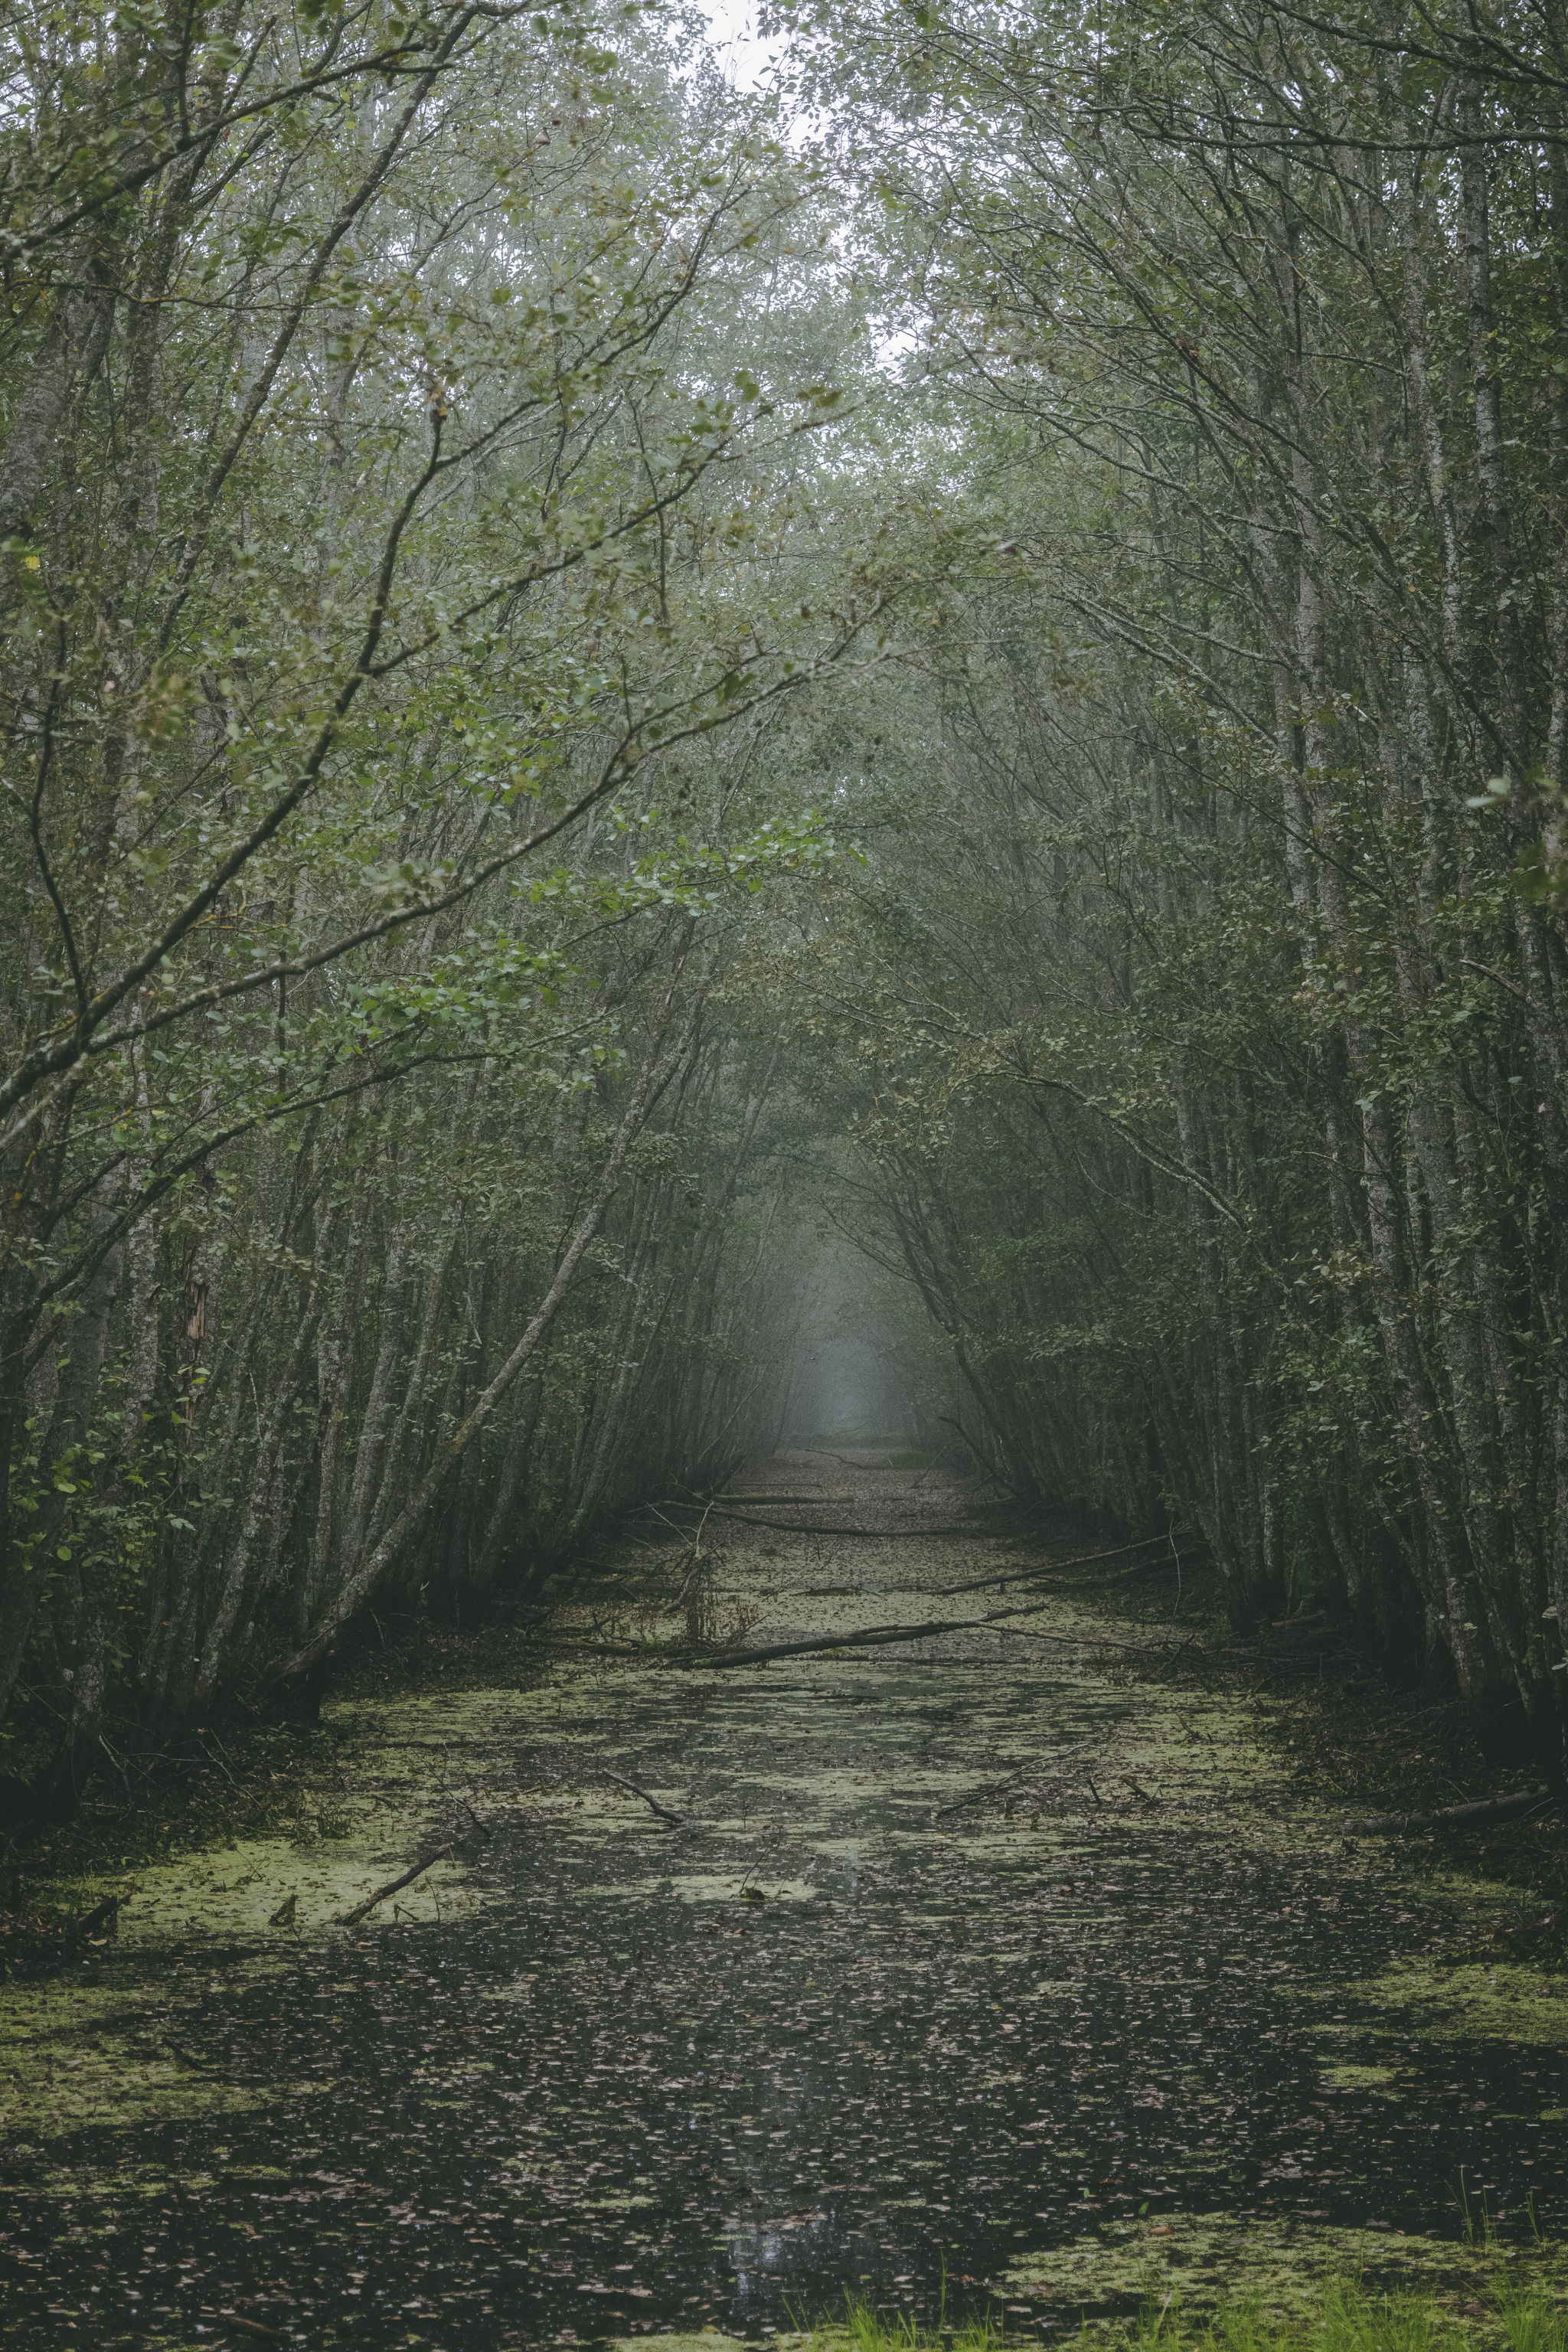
864	2329
1346	2319
1535	2322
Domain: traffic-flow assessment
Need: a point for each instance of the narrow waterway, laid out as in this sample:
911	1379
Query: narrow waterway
1004	1965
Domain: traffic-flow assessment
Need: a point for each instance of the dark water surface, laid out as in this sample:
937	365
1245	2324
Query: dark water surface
614	2097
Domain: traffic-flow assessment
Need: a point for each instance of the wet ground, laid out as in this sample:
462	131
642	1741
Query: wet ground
1001	1966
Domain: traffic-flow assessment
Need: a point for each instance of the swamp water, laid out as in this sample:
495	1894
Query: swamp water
983	1969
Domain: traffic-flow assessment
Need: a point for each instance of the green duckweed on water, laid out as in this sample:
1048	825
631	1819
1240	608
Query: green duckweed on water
985	1969
1502	2001
1280	2268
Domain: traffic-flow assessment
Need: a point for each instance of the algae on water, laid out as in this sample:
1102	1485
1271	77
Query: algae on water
1018	1919
1280	2267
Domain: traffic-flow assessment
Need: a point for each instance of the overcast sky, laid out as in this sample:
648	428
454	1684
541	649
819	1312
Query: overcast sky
731	24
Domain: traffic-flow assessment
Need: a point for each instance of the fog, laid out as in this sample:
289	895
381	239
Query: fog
854	1382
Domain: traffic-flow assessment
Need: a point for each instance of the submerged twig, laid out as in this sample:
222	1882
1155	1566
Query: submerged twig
393	1886
995	1789
676	1821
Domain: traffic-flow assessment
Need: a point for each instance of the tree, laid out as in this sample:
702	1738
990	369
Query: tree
381	482
1242	321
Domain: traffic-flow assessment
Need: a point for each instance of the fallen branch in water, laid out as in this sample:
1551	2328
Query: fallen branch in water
1049	1567
609	1649
913	1535
970	1584
776	1499
677	1821
877	1636
1037	1764
983	1796
873	1638
1485	1808
393	1886
103	1919
795	1528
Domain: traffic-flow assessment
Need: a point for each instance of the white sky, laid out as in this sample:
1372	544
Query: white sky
731	29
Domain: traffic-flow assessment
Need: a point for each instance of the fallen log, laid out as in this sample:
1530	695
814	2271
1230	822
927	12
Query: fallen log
1485	1808
394	1885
